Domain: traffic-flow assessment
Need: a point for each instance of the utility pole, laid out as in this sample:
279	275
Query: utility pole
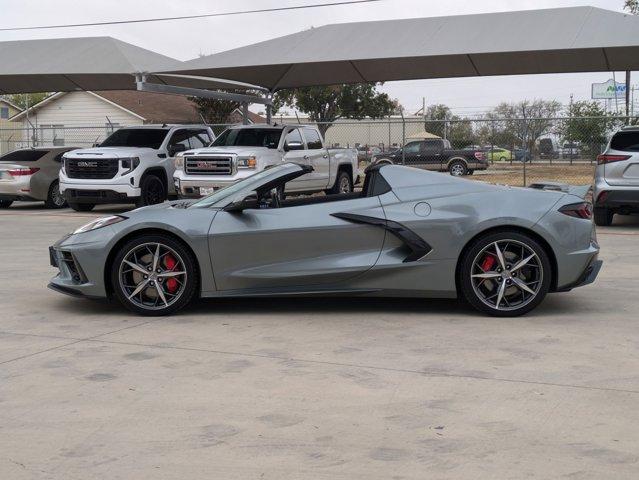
627	97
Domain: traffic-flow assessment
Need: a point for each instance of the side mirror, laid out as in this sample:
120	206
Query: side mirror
293	146
242	202
177	148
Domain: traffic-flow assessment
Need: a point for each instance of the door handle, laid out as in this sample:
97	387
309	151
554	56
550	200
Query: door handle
305	157
324	156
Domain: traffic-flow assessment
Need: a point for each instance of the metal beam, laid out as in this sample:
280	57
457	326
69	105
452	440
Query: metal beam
143	86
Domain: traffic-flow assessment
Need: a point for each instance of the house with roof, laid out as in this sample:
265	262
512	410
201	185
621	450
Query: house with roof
84	118
8	133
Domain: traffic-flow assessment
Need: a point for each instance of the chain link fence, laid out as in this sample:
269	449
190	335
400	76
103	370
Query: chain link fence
520	151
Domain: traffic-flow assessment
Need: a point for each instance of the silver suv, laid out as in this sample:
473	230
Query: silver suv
617	177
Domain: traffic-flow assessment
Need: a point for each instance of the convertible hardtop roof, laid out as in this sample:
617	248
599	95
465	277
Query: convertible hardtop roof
399	176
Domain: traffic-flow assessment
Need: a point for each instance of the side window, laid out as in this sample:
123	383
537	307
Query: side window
313	140
431	148
199	138
4	113
293	140
179	142
412	148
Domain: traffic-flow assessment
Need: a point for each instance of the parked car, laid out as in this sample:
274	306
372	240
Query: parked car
409	232
499	154
522	155
570	150
244	150
548	148
616	189
365	153
133	165
437	154
32	175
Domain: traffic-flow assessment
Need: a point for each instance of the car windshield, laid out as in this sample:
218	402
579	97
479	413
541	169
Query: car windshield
221	197
249	137
136	137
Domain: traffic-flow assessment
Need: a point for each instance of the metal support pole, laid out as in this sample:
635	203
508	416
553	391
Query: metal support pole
403	138
245	113
525	143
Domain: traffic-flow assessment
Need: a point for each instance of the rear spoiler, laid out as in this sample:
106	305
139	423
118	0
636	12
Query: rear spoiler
582	191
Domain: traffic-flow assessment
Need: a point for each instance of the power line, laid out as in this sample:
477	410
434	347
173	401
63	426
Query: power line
188	17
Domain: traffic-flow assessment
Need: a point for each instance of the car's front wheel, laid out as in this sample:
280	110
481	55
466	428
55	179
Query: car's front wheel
152	191
505	274
154	275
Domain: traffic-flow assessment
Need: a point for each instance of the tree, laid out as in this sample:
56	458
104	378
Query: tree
23	100
435	118
214	111
325	105
588	124
528	120
632	6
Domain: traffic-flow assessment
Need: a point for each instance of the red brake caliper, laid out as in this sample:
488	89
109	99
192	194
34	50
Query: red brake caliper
488	263
169	264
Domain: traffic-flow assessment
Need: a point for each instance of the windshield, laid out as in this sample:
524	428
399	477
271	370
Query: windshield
249	137
221	197
136	137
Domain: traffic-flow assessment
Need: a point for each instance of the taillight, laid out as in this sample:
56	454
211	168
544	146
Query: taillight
578	210
18	172
480	156
606	158
602	197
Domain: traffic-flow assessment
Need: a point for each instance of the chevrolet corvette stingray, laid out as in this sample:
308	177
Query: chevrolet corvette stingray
408	233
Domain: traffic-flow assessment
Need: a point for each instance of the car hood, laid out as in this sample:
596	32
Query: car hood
107	152
239	151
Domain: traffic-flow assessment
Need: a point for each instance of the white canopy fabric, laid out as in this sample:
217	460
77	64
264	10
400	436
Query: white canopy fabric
423	135
574	39
89	63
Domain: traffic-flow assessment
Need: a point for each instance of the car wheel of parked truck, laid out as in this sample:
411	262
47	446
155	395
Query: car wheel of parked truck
154	275
54	198
153	191
457	168
343	183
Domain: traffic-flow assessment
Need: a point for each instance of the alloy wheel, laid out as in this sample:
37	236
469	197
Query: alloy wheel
152	276
457	170
56	197
344	184
506	275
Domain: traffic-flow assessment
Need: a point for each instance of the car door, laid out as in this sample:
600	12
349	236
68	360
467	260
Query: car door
297	247
431	152
412	154
295	152
317	158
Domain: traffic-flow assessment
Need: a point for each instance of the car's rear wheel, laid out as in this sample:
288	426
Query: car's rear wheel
505	274
54	198
5	203
603	217
154	275
152	191
343	183
458	168
82	207
502	159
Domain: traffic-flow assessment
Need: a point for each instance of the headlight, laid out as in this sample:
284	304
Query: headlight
179	161
247	162
99	223
63	165
130	164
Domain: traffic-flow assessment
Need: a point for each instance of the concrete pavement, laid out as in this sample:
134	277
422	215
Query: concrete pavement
314	388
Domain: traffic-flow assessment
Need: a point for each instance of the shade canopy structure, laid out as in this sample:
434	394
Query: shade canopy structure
560	40
423	135
88	63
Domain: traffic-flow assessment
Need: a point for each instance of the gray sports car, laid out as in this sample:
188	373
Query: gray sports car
409	233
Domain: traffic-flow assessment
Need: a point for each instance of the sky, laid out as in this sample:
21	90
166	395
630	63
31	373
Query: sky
186	39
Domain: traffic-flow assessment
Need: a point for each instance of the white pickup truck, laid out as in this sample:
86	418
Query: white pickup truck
243	150
133	165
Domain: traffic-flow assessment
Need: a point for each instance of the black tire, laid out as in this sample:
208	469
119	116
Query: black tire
82	207
5	203
153	191
54	199
603	217
502	159
184	255
458	168
470	172
470	292
343	183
